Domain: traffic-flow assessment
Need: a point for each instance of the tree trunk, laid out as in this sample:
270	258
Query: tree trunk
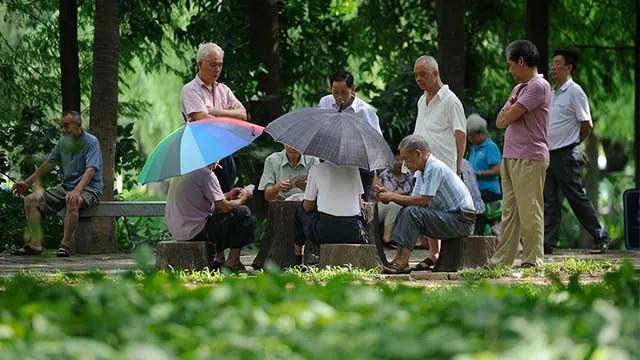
451	43
104	108
636	143
467	252
265	42
537	29
69	64
181	255
590	183
362	256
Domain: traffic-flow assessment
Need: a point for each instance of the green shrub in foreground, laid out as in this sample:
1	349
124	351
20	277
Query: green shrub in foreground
285	316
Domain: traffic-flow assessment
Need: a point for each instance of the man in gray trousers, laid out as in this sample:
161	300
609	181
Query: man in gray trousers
569	124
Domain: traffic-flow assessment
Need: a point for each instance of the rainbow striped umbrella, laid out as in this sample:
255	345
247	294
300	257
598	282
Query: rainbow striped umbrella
196	145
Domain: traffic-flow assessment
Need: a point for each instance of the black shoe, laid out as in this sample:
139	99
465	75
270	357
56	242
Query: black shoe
599	248
548	249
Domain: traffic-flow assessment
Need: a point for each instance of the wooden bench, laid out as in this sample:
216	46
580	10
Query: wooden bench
278	245
82	243
467	252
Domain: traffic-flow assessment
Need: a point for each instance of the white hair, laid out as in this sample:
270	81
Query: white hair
414	142
429	61
207	49
475	123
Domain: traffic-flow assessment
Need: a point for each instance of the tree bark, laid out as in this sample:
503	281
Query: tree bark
69	63
636	143
265	42
363	256
537	30
451	44
104	108
467	252
181	255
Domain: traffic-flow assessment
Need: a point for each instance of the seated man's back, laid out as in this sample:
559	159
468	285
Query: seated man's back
335	189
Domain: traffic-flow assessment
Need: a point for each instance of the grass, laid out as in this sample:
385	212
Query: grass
562	269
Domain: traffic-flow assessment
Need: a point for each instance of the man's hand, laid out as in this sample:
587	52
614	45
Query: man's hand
20	188
73	197
301	184
385	197
284	186
234	193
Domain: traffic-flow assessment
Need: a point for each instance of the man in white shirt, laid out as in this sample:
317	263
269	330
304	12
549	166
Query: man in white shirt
330	208
440	121
344	98
569	124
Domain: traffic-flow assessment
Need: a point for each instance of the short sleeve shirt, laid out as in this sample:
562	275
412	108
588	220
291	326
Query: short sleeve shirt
277	168
75	156
198	97
569	108
470	181
527	137
190	202
389	181
483	157
437	122
336	189
358	107
447	190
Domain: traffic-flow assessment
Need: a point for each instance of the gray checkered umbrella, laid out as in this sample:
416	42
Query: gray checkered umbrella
343	139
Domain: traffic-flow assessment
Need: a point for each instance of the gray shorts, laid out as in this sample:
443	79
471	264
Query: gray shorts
53	200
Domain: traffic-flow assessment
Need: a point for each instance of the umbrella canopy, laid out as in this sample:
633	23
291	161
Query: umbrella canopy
196	145
343	139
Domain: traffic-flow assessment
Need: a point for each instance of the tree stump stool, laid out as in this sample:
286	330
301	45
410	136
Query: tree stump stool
357	255
181	255
466	252
278	245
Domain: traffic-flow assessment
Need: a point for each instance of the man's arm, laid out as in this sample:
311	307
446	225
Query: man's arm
271	192
74	195
492	171
227	206
404	200
22	186
585	130
308	205
510	114
461	145
240	114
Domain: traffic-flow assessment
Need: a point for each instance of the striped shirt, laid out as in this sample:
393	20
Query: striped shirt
447	190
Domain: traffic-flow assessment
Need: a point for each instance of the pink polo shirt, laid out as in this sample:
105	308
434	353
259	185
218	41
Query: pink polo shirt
527	138
198	97
190	201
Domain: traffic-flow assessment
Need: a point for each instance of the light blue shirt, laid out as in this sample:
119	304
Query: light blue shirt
75	156
358	107
447	190
483	157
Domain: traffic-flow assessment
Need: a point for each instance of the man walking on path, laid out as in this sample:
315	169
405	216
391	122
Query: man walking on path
204	96
569	124
440	121
78	154
525	115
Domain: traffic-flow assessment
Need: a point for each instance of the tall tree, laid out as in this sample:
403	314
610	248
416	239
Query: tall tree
265	42
69	68
636	143
104	107
451	44
537	28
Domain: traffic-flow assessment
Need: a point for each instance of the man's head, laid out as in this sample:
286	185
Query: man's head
522	56
397	162
292	153
414	151
210	58
342	87
426	72
476	129
563	64
71	123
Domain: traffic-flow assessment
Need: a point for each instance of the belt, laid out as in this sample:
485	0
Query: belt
568	147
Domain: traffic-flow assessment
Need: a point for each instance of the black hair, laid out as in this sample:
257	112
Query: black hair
524	49
342	76
570	57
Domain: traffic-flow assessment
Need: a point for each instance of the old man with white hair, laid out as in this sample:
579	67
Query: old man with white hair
440	121
204	96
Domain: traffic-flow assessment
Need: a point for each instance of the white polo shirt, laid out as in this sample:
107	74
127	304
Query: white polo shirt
358	106
335	189
569	108
438	120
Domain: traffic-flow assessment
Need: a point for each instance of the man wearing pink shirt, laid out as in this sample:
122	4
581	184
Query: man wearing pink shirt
204	96
525	157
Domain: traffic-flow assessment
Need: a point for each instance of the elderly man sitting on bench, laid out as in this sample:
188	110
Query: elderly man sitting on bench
440	205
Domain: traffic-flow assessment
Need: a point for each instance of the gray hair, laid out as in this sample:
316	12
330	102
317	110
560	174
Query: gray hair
475	123
74	115
414	142
207	49
429	61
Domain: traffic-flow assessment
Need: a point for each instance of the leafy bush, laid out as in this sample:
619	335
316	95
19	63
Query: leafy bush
286	316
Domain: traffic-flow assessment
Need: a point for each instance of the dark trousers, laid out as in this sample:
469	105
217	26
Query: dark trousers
232	230
366	177
413	221
323	228
227	175
489	196
563	180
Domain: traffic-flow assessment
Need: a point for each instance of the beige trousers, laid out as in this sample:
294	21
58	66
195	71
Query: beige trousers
523	214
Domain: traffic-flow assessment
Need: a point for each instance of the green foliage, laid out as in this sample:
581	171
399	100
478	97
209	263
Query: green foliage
283	315
564	268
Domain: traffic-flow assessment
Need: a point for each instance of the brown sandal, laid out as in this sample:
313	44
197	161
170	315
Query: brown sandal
25	250
395	268
426	264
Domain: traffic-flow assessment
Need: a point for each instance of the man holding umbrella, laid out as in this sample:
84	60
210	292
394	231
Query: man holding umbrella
204	96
